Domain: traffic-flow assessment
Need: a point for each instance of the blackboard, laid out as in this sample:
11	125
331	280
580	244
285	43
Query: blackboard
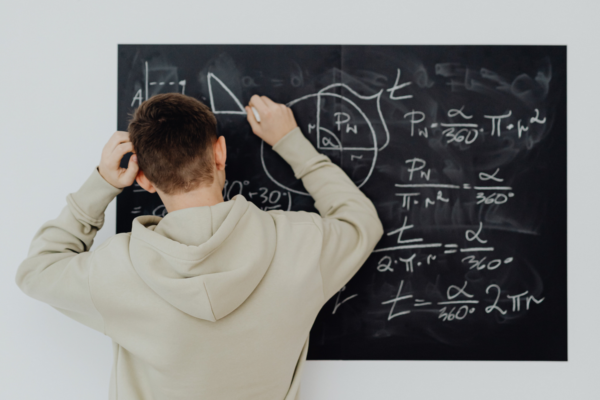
462	149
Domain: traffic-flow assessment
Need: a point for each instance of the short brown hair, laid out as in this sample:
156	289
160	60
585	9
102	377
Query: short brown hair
172	135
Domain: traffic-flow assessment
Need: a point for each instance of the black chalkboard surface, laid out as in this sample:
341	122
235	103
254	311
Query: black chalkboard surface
462	150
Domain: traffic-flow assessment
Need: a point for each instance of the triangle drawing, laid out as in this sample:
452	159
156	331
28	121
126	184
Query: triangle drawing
228	103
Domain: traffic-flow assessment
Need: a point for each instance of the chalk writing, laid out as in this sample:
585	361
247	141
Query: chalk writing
453	154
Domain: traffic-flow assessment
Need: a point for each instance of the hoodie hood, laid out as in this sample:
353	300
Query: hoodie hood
205	261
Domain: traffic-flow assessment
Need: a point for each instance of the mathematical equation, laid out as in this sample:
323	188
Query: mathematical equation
467	131
457	305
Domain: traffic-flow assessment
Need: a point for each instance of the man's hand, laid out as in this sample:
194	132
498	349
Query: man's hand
276	120
114	150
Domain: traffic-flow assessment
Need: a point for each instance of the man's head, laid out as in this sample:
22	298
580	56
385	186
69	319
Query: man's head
178	150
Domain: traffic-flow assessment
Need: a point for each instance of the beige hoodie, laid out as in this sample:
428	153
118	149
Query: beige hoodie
208	302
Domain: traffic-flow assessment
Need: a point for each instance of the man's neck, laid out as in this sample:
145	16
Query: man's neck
201	197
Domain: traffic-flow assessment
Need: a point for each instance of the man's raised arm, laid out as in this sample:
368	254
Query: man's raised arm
350	225
59	262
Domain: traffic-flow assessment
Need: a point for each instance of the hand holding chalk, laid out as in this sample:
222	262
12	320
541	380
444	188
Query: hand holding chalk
270	121
256	114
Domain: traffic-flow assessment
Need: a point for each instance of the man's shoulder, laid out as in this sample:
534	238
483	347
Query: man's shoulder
296	217
120	240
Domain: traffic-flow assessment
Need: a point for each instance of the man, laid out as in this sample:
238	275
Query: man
216	299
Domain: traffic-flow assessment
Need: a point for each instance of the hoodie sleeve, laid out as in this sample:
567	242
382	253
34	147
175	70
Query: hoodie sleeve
350	224
58	266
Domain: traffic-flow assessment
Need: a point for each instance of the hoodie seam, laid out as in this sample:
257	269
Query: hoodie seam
209	301
91	271
314	218
92	295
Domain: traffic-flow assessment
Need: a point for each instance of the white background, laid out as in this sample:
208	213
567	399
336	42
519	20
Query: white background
58	107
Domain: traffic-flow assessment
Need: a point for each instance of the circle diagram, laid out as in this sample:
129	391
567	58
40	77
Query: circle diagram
335	122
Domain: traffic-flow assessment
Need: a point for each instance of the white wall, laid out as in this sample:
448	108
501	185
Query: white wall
58	93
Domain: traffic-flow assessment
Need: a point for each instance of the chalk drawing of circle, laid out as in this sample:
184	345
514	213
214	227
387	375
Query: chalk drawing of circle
330	142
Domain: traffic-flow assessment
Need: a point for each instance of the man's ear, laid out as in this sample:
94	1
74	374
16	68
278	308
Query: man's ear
220	153
144	182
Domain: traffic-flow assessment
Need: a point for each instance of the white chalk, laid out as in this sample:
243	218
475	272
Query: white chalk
256	114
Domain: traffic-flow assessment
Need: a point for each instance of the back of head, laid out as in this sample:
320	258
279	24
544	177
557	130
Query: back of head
172	136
